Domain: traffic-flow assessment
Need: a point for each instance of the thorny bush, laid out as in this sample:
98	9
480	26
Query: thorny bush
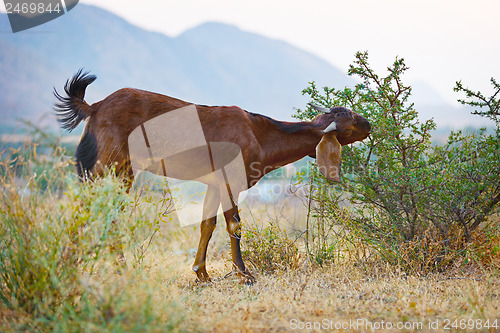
415	204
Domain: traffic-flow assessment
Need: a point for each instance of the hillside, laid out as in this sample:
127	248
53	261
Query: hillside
211	64
214	63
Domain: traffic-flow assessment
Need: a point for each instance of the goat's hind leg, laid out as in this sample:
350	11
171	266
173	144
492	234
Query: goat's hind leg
233	226
209	220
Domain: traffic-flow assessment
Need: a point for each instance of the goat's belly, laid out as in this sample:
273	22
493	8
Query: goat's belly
212	164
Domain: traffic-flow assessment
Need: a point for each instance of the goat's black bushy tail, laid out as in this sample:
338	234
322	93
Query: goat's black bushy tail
72	108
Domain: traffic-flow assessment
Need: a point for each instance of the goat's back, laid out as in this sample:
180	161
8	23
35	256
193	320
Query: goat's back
116	116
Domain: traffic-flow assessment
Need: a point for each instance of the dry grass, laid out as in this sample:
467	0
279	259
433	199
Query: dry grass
334	294
309	295
156	291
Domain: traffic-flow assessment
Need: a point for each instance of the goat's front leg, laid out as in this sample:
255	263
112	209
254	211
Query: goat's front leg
209	220
233	226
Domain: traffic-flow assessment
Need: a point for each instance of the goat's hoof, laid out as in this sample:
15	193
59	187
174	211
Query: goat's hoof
203	278
247	279
203	283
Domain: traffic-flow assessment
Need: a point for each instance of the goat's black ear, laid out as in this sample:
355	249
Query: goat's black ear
328	156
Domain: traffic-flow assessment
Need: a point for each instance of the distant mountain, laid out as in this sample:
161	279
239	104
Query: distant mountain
213	64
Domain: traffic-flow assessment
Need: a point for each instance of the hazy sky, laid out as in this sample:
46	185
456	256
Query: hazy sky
441	40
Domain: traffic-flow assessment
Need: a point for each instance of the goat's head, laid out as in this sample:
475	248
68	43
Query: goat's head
340	126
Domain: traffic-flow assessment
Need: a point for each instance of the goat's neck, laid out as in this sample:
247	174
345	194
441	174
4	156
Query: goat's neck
287	142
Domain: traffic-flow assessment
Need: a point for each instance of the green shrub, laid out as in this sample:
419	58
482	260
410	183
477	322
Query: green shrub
59	244
45	244
405	193
269	248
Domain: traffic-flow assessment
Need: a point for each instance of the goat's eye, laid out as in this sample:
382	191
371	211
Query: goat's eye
348	132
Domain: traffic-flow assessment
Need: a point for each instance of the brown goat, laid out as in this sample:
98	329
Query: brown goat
264	143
